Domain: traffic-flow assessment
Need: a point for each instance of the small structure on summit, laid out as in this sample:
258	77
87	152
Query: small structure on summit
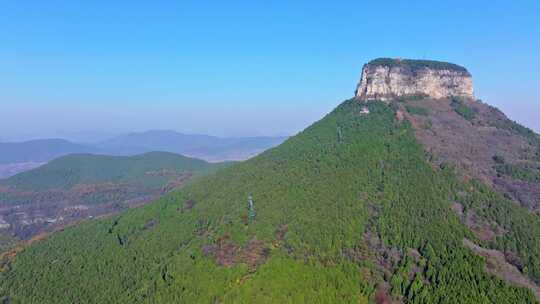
364	111
386	79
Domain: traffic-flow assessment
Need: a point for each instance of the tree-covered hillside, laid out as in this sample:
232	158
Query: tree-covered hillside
145	170
347	211
81	186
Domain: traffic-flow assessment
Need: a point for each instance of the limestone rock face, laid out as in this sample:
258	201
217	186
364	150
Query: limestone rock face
385	79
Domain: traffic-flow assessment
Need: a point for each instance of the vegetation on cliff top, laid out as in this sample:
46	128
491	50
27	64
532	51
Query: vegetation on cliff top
415	65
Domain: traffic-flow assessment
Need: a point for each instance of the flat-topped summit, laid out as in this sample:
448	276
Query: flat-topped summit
386	78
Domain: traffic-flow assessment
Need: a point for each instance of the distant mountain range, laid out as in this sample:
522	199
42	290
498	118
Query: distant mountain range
209	148
40	150
15	156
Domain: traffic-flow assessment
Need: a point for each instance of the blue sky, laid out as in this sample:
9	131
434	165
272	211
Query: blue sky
242	67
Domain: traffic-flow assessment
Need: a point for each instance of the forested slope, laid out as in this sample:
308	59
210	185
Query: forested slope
81	186
147	169
347	211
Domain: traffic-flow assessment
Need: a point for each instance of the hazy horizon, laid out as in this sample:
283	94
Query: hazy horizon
94	137
241	69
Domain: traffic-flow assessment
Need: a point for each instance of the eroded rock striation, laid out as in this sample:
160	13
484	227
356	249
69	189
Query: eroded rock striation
385	79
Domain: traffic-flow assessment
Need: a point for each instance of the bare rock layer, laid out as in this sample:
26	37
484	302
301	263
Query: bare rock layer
385	79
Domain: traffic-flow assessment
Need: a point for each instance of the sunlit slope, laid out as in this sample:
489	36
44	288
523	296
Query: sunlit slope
347	211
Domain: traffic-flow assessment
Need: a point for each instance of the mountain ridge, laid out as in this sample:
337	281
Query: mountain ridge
92	168
211	148
20	156
39	150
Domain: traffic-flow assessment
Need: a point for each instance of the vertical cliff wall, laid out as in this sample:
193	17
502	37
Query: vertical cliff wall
384	79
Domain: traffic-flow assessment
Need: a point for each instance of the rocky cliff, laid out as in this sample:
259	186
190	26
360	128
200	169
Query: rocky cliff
384	79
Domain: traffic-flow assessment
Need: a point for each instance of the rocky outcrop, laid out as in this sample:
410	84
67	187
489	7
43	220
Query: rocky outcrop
385	79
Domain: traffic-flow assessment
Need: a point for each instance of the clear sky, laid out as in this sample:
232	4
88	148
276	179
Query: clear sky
242	67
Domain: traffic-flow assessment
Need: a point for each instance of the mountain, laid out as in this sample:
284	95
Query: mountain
40	150
371	204
206	147
71	170
79	186
23	156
